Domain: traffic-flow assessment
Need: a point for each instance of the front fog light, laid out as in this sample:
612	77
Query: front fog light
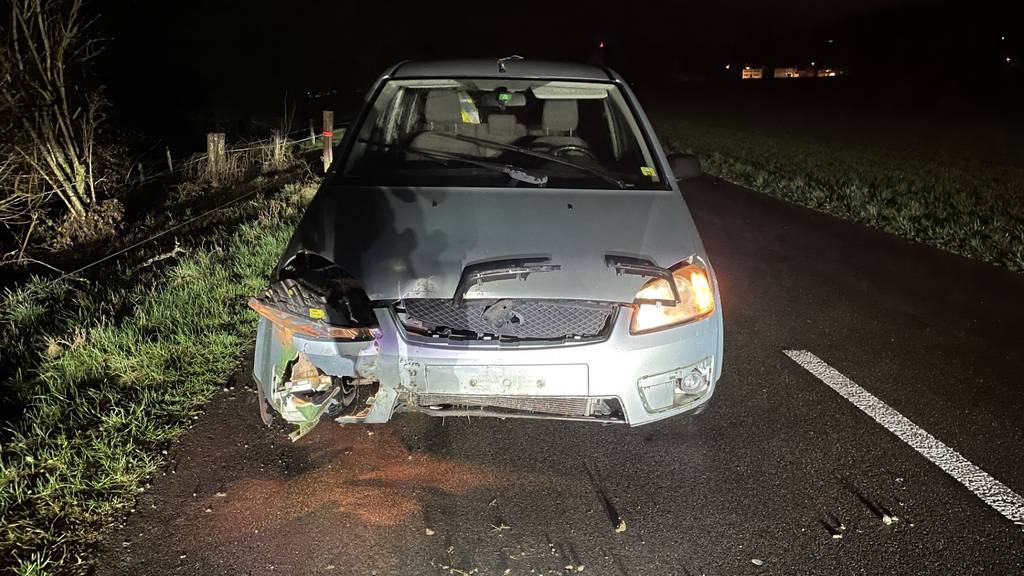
676	387
693	383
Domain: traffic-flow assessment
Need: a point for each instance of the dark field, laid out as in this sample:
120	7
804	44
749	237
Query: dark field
940	172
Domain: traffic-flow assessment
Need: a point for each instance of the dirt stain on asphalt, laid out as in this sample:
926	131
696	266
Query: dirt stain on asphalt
376	480
238	498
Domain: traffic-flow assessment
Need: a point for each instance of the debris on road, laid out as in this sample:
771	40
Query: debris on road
428	531
757	562
621	526
834	526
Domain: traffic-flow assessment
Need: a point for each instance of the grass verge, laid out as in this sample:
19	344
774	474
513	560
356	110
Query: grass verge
112	375
954	196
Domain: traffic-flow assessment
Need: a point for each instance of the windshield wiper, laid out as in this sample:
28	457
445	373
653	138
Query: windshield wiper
536	154
512	172
520	268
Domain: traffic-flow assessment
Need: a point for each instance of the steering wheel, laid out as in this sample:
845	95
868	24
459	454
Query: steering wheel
573	148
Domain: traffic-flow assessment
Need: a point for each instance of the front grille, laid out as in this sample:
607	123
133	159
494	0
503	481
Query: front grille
563	406
541	319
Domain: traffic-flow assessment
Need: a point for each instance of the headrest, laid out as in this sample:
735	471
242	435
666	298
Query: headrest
442	106
560	115
501	124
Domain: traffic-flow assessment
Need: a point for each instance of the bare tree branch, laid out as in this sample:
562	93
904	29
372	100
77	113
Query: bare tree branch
44	50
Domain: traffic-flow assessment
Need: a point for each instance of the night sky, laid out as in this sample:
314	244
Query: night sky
179	67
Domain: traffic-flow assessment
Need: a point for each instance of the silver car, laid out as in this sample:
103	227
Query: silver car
496	238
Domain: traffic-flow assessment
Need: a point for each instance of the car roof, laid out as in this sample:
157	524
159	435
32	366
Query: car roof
520	68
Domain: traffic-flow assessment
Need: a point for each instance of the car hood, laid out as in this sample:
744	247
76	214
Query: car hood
415	242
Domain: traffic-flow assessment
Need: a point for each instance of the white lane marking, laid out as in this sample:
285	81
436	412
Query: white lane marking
991	491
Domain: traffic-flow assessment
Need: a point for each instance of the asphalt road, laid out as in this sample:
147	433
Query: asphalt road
760	483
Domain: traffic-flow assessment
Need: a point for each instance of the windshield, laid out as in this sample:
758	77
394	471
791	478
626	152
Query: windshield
501	132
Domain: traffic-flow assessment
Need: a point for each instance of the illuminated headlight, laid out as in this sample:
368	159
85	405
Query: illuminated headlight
696	300
676	387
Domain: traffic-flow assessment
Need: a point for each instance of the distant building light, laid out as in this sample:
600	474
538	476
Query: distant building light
812	63
1002	37
727	66
830	40
1007	59
749	73
805	72
601	45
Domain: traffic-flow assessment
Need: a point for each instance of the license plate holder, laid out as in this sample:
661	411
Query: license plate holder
509	380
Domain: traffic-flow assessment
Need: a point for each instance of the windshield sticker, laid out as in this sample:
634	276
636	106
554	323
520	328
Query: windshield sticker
648	171
470	113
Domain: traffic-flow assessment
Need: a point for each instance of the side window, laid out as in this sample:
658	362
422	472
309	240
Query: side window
392	118
406	115
625	144
594	129
614	131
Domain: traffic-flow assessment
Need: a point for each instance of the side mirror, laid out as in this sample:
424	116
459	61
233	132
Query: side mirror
684	166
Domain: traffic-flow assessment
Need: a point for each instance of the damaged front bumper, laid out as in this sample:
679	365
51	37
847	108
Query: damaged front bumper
632	379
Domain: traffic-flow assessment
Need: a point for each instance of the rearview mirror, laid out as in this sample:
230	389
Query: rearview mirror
684	166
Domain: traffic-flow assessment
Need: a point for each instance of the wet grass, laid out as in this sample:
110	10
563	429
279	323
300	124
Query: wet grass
110	372
958	186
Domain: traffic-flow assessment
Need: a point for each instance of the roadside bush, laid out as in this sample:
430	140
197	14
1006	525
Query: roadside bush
240	163
50	113
100	223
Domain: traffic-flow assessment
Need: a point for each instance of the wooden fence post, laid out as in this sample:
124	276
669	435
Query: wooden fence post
328	156
142	175
312	132
215	154
276	148
170	163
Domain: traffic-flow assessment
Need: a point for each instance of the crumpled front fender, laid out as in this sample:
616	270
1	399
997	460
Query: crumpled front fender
299	376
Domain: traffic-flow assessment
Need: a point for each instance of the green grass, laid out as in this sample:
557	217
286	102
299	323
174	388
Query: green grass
959	188
112	375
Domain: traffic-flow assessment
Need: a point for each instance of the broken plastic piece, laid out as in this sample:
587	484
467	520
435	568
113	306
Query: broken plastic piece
310	285
313	417
264	409
308	326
